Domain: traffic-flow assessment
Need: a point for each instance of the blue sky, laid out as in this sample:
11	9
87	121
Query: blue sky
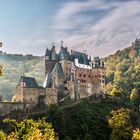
99	26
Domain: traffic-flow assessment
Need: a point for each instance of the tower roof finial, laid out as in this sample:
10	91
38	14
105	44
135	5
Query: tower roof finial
61	43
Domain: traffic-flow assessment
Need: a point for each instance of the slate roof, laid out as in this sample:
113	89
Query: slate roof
64	54
82	57
51	53
48	81
57	70
29	81
48	52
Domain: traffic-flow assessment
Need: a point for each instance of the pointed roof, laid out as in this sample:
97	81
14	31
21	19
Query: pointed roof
48	52
57	70
64	54
28	81
48	81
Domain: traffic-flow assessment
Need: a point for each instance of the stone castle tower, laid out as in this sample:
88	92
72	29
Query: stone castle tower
76	75
68	75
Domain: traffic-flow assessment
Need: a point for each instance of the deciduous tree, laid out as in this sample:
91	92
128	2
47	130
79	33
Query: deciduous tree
119	121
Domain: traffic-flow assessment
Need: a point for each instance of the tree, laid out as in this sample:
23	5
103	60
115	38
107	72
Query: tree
14	98
2	135
135	98
116	91
136	134
29	129
118	75
110	76
108	88
119	122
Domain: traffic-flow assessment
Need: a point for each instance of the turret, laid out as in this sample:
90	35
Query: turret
48	54
96	62
50	59
53	53
64	54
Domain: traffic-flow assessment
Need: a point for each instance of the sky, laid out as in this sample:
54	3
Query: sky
100	27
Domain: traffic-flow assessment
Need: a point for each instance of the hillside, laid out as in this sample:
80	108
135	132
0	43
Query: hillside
123	71
87	119
15	65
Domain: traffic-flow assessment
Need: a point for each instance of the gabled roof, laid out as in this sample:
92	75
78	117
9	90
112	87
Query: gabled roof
48	81
28	81
57	70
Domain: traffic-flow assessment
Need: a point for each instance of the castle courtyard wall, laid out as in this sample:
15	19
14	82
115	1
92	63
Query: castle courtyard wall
7	107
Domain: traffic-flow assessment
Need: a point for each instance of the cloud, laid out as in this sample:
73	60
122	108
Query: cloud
69	17
115	28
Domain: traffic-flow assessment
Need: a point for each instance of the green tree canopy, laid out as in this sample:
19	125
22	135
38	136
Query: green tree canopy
135	98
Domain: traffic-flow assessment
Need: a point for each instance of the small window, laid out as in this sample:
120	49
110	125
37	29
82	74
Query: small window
84	75
80	75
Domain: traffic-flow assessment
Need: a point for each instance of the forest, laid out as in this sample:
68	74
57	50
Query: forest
87	120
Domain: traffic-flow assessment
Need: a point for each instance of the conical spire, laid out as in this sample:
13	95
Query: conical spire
48	81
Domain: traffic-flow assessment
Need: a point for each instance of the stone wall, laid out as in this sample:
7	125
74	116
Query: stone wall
7	107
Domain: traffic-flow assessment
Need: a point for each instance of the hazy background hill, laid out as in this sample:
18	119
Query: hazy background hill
122	71
15	65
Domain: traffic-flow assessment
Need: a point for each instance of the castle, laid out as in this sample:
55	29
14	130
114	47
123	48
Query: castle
68	74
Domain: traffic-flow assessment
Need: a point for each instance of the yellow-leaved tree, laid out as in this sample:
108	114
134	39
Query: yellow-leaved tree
120	123
136	134
29	129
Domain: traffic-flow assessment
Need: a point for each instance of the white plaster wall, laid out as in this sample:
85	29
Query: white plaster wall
77	64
